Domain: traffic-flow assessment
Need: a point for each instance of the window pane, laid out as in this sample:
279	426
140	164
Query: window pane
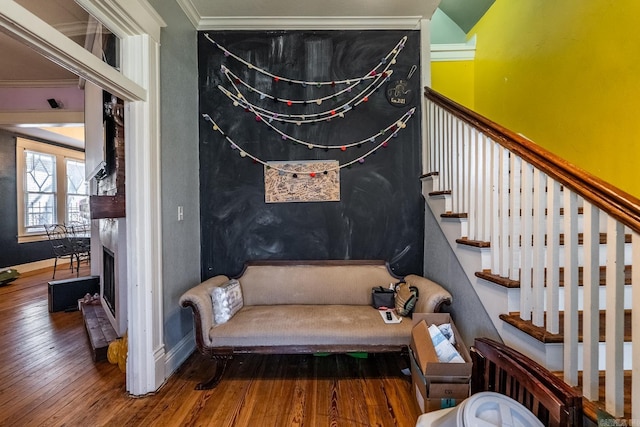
40	172
77	193
40	210
78	209
76	183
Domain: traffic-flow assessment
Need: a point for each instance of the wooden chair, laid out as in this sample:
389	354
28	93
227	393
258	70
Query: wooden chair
501	369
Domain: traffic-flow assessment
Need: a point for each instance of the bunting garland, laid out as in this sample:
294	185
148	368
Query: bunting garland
243	153
239	100
374	78
388	58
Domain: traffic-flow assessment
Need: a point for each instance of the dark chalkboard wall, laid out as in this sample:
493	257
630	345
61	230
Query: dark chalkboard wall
380	214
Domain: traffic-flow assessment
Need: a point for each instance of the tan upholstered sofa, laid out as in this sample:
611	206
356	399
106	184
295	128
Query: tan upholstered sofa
305	307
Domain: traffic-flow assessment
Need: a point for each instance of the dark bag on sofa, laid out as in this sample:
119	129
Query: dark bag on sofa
382	297
406	298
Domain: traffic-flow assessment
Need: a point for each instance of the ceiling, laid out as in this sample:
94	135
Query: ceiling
23	67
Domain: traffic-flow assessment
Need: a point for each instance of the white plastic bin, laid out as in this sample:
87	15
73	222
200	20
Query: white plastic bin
482	409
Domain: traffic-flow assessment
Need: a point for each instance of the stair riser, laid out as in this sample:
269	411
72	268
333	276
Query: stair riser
555	356
514	298
602	258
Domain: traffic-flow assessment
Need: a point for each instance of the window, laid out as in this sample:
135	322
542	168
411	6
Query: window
51	188
77	192
40	191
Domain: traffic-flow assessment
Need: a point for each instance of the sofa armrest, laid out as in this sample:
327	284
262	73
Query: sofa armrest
199	299
431	295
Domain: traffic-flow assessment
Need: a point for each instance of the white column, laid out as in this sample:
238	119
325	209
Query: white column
144	271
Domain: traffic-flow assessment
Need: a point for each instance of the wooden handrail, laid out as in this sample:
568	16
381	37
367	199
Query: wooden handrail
615	202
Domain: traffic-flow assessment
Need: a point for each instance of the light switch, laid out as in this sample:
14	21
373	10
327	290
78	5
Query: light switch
180	213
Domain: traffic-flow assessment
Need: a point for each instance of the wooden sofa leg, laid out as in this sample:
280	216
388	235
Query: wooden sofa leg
221	366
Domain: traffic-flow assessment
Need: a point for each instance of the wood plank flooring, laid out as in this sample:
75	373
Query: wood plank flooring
47	377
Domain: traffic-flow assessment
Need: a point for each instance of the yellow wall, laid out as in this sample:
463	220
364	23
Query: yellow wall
566	74
455	80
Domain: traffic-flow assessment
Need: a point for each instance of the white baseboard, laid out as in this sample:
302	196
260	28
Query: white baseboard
178	354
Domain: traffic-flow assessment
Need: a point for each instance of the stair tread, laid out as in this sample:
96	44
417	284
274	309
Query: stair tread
453	215
542	335
474	243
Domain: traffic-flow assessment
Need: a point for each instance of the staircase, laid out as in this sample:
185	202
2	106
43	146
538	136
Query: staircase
549	249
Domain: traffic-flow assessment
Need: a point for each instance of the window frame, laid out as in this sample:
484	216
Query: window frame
61	155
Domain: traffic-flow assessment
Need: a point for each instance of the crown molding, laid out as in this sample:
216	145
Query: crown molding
308	23
190	10
445	52
126	17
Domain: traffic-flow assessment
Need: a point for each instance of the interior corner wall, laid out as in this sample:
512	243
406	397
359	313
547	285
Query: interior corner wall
455	80
380	212
565	74
179	175
442	266
12	252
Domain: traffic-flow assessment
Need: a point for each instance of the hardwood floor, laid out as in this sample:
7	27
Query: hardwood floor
47	377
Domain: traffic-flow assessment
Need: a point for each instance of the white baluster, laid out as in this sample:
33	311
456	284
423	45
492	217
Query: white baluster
514	218
494	206
474	178
539	227
456	144
489	165
440	148
448	151
635	332
481	187
465	165
553	255
526	221
570	287
591	303
431	127
504	212
614	329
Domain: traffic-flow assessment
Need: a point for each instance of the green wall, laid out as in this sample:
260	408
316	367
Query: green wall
566	74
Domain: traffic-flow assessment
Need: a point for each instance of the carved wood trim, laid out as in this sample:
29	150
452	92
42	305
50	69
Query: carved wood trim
615	202
328	262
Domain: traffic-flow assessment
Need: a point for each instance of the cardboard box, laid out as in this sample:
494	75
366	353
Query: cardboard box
437	385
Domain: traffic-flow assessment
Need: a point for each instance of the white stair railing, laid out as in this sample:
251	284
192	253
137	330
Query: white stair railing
542	218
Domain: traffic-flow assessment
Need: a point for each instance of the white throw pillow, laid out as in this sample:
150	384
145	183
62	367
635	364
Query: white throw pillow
227	300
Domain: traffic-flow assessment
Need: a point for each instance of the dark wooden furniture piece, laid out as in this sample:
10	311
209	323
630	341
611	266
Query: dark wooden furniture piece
504	370
64	294
99	330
